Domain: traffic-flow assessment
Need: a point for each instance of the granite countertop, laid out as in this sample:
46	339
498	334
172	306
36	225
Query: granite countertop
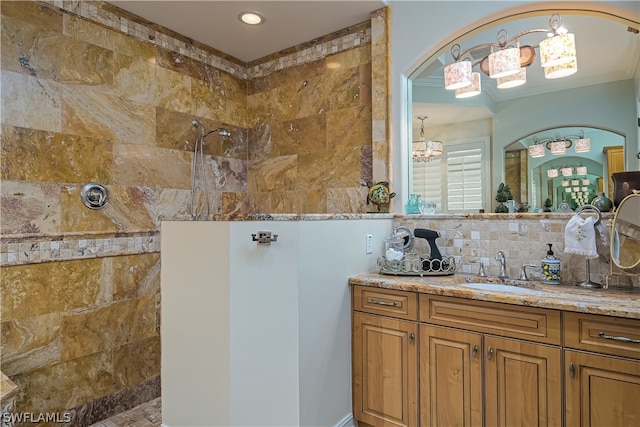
619	302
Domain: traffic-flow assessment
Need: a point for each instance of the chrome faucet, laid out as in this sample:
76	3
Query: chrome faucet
503	267
523	271
481	272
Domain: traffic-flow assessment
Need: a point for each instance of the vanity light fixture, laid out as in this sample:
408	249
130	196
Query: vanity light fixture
423	150
251	18
537	149
581	170
583	145
508	58
559	145
567	171
552	173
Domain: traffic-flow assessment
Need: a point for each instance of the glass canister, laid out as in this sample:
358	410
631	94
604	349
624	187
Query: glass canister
394	248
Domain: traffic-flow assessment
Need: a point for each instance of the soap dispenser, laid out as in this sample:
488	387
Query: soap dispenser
551	268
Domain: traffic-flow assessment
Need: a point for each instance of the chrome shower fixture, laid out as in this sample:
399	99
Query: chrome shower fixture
221	131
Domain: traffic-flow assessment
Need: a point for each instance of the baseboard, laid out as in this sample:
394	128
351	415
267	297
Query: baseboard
347	421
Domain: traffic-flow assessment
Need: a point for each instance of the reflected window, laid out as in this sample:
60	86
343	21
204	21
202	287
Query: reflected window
457	180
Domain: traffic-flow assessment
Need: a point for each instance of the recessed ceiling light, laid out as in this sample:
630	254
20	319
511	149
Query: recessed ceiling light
251	18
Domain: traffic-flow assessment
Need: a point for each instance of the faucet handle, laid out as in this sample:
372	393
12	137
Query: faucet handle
481	272
523	271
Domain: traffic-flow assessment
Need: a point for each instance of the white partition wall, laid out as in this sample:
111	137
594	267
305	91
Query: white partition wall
260	335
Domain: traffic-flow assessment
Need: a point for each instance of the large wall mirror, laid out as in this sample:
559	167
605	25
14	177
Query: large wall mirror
482	136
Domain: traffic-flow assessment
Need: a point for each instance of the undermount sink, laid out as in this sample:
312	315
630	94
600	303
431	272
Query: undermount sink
498	287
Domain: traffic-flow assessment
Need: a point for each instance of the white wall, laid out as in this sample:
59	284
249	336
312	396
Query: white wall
438	22
260	335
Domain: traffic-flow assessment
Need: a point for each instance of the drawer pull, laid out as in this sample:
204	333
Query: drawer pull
474	351
389	304
572	370
623	339
490	353
412	336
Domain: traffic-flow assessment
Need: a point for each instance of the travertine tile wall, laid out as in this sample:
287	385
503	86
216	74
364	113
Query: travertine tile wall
90	93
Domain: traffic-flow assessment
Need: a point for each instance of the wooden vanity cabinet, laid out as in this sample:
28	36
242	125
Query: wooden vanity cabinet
520	379
385	357
602	370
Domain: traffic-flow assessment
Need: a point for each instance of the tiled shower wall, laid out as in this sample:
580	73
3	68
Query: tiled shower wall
91	93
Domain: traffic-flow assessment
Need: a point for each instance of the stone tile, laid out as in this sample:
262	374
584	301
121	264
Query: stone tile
344	169
136	362
20	93
37	14
138	165
99	329
30	343
33	155
279	173
349	127
96	113
83	29
134	275
226	174
299	136
36	289
29	207
128	208
65	385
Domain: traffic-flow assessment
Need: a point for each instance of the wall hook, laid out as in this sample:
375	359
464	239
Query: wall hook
264	238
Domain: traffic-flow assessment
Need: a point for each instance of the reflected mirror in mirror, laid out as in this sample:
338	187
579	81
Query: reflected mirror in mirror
625	238
601	94
549	182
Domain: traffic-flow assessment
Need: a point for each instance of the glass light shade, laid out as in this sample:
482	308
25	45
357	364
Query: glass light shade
567	190
565	183
457	75
473	89
575	183
557	50
581	170
576	189
558	147
434	148
536	150
586	182
562	70
513	80
504	62
552	173
584	189
583	145
567	171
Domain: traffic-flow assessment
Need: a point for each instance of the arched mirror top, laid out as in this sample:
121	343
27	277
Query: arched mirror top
625	233
602	97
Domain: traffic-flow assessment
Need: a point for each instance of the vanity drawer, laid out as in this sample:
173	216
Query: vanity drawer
602	334
387	302
513	321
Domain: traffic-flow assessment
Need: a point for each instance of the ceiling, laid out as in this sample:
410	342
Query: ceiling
606	52
287	23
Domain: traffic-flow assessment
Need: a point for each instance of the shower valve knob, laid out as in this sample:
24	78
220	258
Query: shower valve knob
264	238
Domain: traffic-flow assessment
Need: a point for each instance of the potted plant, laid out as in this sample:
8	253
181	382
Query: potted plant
503	194
547	205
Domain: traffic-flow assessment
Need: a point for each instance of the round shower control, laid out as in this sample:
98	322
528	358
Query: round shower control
94	195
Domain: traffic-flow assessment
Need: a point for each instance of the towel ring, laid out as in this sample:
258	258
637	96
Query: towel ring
590	210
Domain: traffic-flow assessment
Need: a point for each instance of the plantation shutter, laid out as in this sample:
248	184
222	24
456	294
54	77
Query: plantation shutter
457	180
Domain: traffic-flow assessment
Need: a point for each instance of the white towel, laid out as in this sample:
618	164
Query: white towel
580	237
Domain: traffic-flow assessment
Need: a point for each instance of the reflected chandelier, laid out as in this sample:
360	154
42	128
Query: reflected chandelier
423	150
507	62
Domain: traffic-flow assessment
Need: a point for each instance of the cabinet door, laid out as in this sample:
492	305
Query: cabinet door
385	371
523	386
601	390
450	377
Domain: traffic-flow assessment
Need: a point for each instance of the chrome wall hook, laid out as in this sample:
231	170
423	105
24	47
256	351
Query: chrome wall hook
264	238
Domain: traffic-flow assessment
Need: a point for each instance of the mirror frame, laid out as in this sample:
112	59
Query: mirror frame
612	237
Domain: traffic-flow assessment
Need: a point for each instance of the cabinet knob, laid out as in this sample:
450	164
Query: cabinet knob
474	351
412	337
490	353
